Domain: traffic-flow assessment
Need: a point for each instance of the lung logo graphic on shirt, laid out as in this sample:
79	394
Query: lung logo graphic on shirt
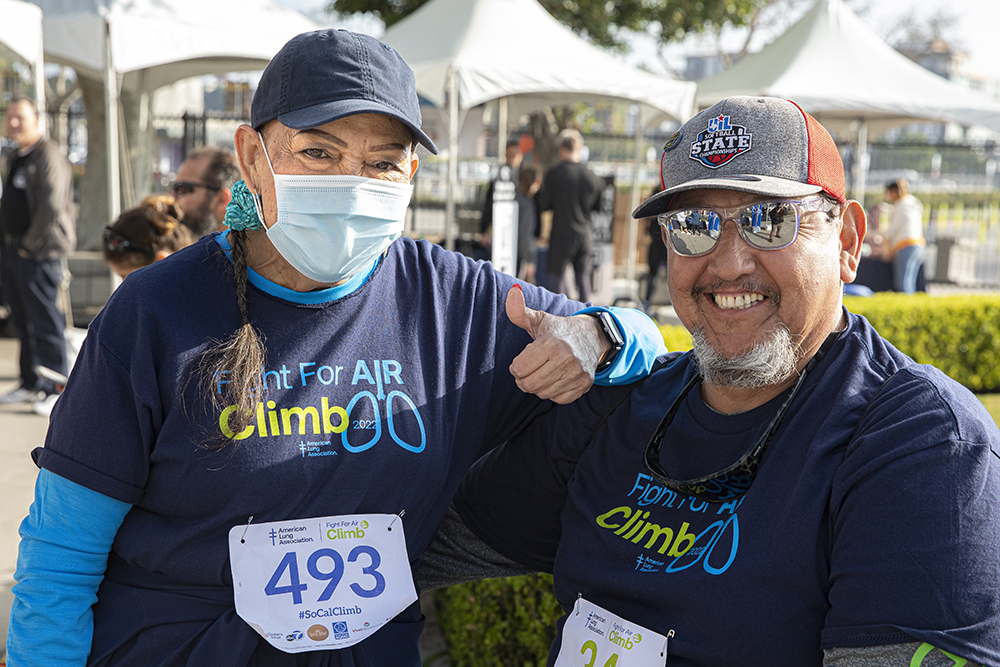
379	405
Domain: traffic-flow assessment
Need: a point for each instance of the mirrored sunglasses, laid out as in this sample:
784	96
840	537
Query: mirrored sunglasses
115	242
187	187
767	225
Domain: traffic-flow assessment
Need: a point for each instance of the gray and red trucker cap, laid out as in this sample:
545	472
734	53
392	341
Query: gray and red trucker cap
761	145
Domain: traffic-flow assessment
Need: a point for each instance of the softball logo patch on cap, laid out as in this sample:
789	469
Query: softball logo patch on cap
720	142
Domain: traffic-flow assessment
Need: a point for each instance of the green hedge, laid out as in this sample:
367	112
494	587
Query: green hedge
960	334
499	622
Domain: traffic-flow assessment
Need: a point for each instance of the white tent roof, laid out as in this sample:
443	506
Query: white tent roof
20	31
502	48
838	69
157	42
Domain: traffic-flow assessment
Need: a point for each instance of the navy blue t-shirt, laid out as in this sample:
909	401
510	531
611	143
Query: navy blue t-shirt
875	517
416	359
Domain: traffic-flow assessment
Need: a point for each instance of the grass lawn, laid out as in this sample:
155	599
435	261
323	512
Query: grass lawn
992	403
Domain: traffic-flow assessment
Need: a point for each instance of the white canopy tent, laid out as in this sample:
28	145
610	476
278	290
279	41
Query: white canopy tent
839	70
142	45
467	52
152	43
21	39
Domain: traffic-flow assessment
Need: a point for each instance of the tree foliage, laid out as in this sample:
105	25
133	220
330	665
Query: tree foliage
915	35
603	22
610	24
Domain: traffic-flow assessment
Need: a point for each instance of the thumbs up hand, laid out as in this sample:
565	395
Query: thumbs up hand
559	364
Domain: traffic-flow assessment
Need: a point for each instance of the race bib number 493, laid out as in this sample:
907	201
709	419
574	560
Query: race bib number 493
594	637
322	583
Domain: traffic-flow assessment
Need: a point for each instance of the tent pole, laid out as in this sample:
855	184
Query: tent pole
126	176
39	76
633	224
501	129
861	162
449	206
111	126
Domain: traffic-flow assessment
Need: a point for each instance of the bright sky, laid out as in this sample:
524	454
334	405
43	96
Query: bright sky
976	31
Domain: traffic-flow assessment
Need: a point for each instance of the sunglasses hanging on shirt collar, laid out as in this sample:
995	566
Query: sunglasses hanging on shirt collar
735	480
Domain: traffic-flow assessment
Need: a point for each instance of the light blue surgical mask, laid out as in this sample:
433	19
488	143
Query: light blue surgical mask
331	227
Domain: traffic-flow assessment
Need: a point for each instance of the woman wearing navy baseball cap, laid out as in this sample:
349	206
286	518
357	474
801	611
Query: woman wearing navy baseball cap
263	431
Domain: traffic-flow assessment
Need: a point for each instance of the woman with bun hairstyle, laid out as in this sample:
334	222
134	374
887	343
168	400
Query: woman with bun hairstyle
145	234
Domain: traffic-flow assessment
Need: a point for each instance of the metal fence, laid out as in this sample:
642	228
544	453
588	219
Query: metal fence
958	183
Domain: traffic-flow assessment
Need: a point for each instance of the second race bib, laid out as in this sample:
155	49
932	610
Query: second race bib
594	637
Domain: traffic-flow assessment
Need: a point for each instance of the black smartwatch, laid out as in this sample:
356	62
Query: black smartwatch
614	337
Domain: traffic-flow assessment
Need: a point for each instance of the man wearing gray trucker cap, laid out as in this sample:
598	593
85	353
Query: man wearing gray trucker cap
794	491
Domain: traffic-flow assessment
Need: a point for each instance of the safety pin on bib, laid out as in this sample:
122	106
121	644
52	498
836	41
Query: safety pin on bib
669	635
244	535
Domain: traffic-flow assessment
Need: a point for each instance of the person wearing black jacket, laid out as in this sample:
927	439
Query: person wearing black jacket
37	231
571	191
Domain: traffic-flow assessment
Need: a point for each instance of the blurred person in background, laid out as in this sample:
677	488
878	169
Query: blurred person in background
529	225
140	236
904	242
202	188
145	234
37	231
512	160
507	172
656	254
571	191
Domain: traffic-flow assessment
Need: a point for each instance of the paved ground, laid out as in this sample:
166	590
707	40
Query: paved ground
20	431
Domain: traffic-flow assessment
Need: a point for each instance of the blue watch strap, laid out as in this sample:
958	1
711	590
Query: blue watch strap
643	344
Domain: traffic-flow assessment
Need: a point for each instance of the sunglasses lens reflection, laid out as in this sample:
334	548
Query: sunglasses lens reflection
692	231
768	225
696	231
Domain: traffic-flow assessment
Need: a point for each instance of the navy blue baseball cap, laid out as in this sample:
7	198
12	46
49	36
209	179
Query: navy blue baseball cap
318	77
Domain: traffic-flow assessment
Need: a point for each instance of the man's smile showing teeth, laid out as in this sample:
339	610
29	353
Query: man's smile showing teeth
738	302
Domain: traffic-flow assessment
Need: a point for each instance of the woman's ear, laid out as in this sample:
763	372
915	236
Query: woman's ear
414	163
160	254
247	143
